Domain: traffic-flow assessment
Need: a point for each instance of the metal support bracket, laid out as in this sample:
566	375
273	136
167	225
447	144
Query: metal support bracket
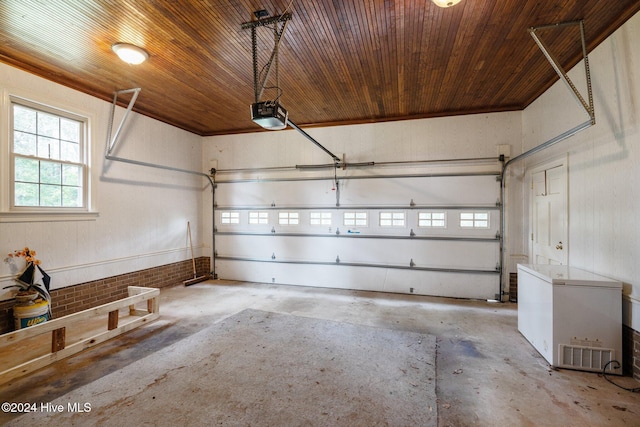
279	26
588	106
111	144
112	141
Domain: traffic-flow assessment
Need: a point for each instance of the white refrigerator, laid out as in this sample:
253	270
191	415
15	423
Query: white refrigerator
572	317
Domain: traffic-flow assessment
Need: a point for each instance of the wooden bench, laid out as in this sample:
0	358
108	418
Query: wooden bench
25	350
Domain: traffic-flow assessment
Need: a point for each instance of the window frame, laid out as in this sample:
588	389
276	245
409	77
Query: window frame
230	217
393	218
321	219
431	219
475	220
355	219
262	217
9	212
289	218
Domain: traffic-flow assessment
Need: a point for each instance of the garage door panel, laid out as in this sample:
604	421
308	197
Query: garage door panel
445	191
336	222
282	193
424	253
428	235
457	285
261	272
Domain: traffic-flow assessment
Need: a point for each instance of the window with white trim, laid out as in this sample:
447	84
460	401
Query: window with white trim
474	219
258	217
320	218
432	219
288	218
355	219
230	217
48	158
392	219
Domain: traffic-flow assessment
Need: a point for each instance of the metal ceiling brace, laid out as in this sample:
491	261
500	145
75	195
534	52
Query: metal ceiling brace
588	107
561	72
278	32
113	141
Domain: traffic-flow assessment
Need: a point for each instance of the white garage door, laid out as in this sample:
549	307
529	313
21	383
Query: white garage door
428	234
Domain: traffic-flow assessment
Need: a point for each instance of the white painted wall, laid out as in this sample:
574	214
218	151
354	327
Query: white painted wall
142	212
604	162
440	138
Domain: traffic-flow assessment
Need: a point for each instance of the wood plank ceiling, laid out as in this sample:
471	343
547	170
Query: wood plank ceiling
341	61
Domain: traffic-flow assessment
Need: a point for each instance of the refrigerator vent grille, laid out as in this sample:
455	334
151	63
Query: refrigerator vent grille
585	358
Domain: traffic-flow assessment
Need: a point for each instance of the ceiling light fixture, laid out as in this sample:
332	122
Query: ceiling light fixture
130	54
446	3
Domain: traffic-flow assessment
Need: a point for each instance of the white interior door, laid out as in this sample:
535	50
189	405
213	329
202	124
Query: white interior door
549	215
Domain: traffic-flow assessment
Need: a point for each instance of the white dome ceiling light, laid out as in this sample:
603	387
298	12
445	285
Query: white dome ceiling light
446	3
130	54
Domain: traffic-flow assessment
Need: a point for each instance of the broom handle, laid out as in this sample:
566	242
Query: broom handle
193	260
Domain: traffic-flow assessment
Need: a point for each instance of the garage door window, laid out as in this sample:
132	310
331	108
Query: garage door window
392	219
259	217
320	218
432	219
355	219
288	218
474	219
230	217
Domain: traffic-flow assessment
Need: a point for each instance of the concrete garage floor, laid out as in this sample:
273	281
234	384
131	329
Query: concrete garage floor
487	374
